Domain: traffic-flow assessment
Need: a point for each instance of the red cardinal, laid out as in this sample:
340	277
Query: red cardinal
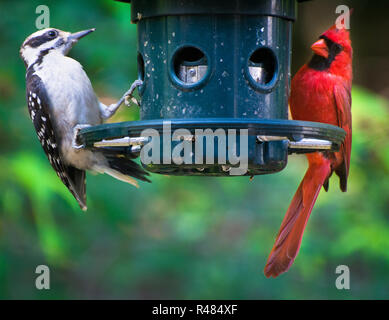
320	92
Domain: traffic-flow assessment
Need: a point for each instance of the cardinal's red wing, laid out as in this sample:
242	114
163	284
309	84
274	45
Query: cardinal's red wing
342	95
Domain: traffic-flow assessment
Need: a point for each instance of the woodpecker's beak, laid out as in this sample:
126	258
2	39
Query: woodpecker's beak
74	37
320	48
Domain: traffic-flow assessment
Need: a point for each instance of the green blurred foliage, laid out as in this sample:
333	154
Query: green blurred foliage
179	237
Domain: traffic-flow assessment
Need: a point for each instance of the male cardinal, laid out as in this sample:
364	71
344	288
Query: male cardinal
320	92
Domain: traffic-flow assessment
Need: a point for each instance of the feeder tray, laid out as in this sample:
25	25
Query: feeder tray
268	137
213	64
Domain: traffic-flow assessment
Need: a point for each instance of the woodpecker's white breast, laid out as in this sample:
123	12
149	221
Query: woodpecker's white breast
72	101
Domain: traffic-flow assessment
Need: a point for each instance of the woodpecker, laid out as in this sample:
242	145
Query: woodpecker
60	101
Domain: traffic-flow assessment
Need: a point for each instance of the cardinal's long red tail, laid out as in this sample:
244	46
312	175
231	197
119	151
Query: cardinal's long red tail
289	237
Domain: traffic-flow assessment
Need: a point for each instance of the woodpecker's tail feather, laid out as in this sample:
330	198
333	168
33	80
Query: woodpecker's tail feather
289	237
125	170
77	185
120	168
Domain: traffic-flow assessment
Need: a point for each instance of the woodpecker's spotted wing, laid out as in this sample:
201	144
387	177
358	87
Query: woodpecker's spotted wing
37	100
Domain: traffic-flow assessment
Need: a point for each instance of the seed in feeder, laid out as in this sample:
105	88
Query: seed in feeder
192	72
173	34
226	168
262	29
169	42
145	44
263	42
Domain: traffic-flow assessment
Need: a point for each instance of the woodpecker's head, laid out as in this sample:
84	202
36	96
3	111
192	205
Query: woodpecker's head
49	40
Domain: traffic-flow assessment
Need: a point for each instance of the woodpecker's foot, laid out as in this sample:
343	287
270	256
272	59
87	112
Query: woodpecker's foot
108	112
128	97
76	130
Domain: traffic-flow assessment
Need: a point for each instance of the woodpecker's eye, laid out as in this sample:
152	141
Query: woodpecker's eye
52	33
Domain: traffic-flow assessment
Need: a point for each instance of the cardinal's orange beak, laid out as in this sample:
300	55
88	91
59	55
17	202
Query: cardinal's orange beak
320	48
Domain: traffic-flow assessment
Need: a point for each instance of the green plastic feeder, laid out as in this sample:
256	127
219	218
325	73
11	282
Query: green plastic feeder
210	64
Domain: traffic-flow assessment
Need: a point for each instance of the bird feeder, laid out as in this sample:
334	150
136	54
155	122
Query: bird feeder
213	64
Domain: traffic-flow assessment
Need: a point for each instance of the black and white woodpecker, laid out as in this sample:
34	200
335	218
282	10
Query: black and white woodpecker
60	101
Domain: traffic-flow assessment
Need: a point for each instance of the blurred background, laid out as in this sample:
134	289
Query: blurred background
188	237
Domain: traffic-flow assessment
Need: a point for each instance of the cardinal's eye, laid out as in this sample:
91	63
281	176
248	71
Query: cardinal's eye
52	33
337	48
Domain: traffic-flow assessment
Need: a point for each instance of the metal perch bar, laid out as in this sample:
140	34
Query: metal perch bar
138	142
315	144
121	142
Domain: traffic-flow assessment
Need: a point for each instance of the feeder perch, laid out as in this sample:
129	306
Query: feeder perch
211	64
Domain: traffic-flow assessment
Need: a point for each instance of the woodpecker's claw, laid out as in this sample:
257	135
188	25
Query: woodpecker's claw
76	131
128	97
